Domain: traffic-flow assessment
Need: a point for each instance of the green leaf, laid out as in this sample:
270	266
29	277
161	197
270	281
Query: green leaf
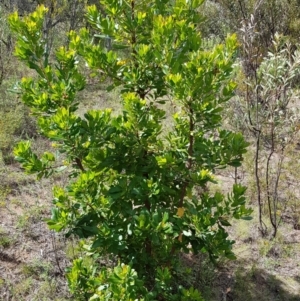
224	222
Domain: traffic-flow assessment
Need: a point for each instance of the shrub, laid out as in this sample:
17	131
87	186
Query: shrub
134	182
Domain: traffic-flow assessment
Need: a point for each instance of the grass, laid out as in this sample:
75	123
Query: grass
37	268
31	215
5	240
26	246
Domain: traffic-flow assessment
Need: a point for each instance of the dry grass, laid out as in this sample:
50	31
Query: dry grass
29	252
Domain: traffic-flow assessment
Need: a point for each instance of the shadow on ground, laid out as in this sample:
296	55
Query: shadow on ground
232	282
257	284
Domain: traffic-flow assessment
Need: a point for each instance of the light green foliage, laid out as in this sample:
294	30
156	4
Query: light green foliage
133	183
273	120
273	110
10	122
14	119
122	281
5	239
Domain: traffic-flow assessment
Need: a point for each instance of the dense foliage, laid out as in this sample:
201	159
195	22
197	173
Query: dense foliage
138	180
